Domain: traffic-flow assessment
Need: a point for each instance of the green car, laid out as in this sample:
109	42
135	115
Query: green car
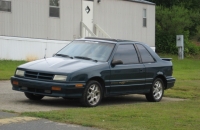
90	69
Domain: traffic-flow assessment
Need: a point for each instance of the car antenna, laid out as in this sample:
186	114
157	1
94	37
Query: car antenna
45	51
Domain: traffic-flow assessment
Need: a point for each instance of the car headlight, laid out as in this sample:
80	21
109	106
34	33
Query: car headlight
20	73
60	77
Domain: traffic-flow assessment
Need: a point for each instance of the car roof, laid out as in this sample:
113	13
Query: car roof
118	41
108	40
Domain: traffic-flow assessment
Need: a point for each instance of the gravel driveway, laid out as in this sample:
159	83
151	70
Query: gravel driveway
16	101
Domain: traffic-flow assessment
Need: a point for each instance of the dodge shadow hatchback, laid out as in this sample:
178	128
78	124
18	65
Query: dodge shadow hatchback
90	69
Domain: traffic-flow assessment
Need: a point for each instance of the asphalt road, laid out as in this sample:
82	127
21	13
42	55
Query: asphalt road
16	101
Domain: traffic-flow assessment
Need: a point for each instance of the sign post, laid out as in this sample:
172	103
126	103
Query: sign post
180	45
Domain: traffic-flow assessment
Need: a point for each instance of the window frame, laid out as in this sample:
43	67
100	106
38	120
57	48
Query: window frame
144	19
139	60
55	7
140	56
10	6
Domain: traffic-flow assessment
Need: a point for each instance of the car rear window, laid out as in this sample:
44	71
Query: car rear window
145	55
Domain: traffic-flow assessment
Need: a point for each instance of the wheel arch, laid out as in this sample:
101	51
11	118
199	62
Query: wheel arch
163	79
100	80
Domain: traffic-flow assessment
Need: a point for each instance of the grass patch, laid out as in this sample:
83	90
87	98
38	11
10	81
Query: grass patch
187	69
139	116
7	68
9	111
182	115
188	89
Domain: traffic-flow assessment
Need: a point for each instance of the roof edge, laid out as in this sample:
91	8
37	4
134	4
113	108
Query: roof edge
142	2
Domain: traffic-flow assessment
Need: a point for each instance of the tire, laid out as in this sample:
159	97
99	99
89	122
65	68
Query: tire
33	96
92	94
156	91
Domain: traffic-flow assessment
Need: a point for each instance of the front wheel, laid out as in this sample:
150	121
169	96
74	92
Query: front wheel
33	96
156	92
92	94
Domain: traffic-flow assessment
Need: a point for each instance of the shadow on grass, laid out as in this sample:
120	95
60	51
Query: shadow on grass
70	103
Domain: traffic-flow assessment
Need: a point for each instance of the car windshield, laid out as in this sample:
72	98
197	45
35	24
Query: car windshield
87	50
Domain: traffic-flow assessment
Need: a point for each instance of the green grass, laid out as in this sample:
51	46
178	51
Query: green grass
7	68
179	115
187	69
138	116
9	111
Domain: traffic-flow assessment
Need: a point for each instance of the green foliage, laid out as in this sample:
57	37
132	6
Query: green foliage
189	4
195	19
171	22
174	17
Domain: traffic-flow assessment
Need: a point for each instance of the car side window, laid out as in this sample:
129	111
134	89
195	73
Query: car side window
127	54
145	55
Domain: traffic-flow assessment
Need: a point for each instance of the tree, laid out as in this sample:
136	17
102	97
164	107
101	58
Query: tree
175	17
169	23
188	4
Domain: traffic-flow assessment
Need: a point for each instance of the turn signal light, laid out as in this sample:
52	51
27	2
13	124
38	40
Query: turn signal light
55	88
79	85
15	82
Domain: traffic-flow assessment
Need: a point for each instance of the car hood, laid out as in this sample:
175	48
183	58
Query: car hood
59	65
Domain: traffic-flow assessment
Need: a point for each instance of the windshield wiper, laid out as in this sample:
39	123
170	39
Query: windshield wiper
86	58
63	55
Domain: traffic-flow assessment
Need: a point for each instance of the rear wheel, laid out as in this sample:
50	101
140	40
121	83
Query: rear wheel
156	92
33	96
92	94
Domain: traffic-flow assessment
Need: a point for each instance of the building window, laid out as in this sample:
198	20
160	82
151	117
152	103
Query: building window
5	6
54	9
144	18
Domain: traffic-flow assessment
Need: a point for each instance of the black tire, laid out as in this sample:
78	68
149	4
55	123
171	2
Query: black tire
156	91
33	96
92	94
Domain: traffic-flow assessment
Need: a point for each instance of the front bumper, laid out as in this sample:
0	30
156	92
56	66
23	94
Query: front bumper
68	90
170	82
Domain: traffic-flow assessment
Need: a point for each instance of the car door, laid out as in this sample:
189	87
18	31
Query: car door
128	77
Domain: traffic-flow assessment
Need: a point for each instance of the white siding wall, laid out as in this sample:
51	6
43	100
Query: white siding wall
13	48
124	20
30	18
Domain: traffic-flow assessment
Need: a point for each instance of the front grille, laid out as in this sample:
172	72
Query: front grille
37	75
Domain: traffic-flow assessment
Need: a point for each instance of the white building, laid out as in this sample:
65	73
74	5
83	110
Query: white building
33	28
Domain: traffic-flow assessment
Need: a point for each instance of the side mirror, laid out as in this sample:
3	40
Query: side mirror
53	55
116	62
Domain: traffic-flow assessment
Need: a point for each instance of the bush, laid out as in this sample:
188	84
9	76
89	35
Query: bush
191	49
171	22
